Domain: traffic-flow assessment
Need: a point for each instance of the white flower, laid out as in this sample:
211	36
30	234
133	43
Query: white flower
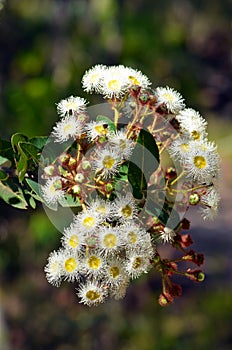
137	264
122	143
107	160
67	127
102	207
124	208
73	238
96	129
52	190
94	264
210	200
91	293
202	162
134	237
167	235
87	221
110	239
180	148
53	269
192	124
92	78
71	105
135	77
72	266
171	98
114	82
115	272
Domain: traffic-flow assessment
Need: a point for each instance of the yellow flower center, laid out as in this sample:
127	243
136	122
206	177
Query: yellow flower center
70	105
196	135
133	80
73	241
200	162
70	264
92	295
114	271
108	162
185	147
168	97
94	262
126	211
137	263
100	129
89	221
114	85
67	128
110	240
132	237
101	209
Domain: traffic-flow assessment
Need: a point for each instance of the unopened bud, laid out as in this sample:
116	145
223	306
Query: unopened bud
72	162
79	177
109	187
49	170
86	165
194	198
76	189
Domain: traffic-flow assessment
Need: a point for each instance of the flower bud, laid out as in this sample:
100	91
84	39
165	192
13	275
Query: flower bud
194	198
49	170
76	189
86	165
79	177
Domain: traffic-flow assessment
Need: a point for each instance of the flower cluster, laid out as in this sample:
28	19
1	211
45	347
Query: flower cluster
131	175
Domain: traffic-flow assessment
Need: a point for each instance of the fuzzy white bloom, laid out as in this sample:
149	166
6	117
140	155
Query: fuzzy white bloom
107	160
92	78
115	272
110	240
52	190
180	148
124	208
134	237
73	238
210	200
96	129
92	293
87	221
202	162
192	124
137	264
102	207
72	266
171	98
67	127
71	105
53	269
136	77
167	235
124	145
114	82
94	264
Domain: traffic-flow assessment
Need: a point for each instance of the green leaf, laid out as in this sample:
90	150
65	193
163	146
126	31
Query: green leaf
35	188
150	151
13	195
39	141
21	166
32	202
3	160
137	180
69	201
108	121
6	150
29	150
16	138
3	175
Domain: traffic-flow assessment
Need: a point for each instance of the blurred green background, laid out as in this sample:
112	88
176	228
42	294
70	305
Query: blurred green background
45	47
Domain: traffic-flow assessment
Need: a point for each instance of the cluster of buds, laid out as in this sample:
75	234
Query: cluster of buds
132	174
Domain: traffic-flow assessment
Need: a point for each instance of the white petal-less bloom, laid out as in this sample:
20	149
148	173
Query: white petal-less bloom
136	77
73	239
202	162
87	221
92	293
123	144
96	129
92	78
71	105
115	272
52	190
137	264
167	235
192	124
210	202
71	265
102	207
54	269
124	208
107	160
67	127
114	82
135	237
110	240
180	148
119	292
94	264
171	98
